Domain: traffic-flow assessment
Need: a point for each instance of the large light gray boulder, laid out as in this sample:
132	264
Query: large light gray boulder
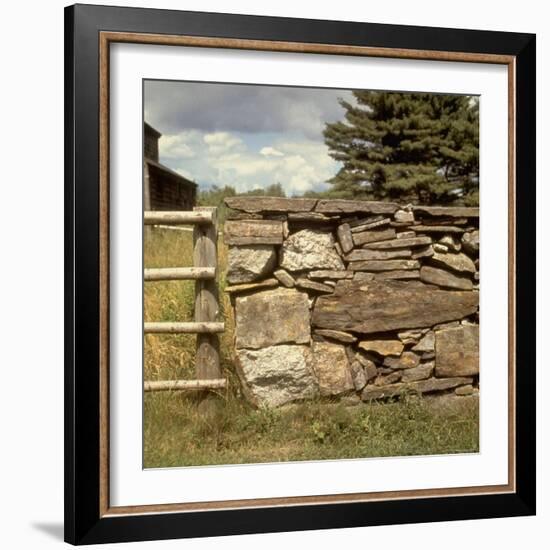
310	249
249	263
276	375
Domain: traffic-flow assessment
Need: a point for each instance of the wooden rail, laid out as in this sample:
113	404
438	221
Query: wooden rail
172	385
183	328
178	218
205	326
179	273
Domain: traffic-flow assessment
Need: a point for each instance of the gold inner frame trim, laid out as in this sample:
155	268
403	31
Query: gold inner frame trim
105	39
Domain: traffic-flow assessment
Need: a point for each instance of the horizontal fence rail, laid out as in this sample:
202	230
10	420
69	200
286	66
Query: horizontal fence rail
179	273
197	327
197	217
185	385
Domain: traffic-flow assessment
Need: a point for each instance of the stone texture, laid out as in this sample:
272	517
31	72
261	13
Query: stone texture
315	286
411	336
253	232
382	347
277	375
366	254
270	204
451	243
248	287
309	217
391	378
403	216
443	278
285	278
373	235
427	343
407	360
424	252
369	366
421	372
437	229
249	263
344	237
457	351
370	225
468	389
438	247
310	249
457	262
358	375
400	243
379	306
331	366
330	274
421	386
448	211
339	206
383	265
406	235
344	337
470	242
398	274
272	317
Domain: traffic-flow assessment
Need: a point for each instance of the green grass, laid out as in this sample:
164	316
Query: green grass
176	433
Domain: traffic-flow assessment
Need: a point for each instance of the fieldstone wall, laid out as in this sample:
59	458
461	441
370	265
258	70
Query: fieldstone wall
352	299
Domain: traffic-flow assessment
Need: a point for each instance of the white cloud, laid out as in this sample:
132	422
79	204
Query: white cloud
222	158
270	152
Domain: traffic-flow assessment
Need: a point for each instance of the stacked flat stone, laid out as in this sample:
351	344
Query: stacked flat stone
352	299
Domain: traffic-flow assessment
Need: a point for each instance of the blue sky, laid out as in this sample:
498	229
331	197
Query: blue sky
247	136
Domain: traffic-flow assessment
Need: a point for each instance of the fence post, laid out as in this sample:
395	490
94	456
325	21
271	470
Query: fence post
205	237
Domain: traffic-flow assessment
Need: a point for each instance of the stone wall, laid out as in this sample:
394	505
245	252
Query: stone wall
352	299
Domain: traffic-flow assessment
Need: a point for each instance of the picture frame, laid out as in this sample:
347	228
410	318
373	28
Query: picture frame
90	31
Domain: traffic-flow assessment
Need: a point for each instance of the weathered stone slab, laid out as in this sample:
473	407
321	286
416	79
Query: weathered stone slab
331	366
310	249
253	232
248	287
382	347
369	366
457	351
450	211
344	237
424	252
451	243
308	284
310	217
468	389
407	360
438	247
270	204
337	206
370	225
421	386
344	337
427	343
421	372
437	229
403	216
398	274
249	263
373	235
390	378
383	265
411	336
457	262
285	278
277	375
330	274
443	278
366	254
358	375
272	317
406	235
470	242
399	243
379	306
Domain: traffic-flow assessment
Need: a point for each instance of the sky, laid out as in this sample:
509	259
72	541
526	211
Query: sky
246	136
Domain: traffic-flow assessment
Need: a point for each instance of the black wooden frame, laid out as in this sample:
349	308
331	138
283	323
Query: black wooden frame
83	524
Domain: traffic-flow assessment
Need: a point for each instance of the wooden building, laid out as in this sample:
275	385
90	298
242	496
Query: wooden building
164	189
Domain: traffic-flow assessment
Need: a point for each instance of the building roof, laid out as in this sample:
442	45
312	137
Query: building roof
151	130
169	172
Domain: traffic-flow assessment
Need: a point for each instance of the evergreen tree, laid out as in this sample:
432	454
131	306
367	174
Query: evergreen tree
421	148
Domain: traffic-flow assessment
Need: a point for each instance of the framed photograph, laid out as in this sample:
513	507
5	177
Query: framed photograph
276	314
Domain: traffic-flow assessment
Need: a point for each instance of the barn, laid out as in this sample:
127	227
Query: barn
164	189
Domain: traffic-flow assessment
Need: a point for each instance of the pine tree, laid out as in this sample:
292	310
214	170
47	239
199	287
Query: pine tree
420	148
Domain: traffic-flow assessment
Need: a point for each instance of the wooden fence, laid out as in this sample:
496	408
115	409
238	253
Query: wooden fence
203	272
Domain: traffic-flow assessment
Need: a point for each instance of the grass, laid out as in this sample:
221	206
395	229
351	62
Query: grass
177	434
